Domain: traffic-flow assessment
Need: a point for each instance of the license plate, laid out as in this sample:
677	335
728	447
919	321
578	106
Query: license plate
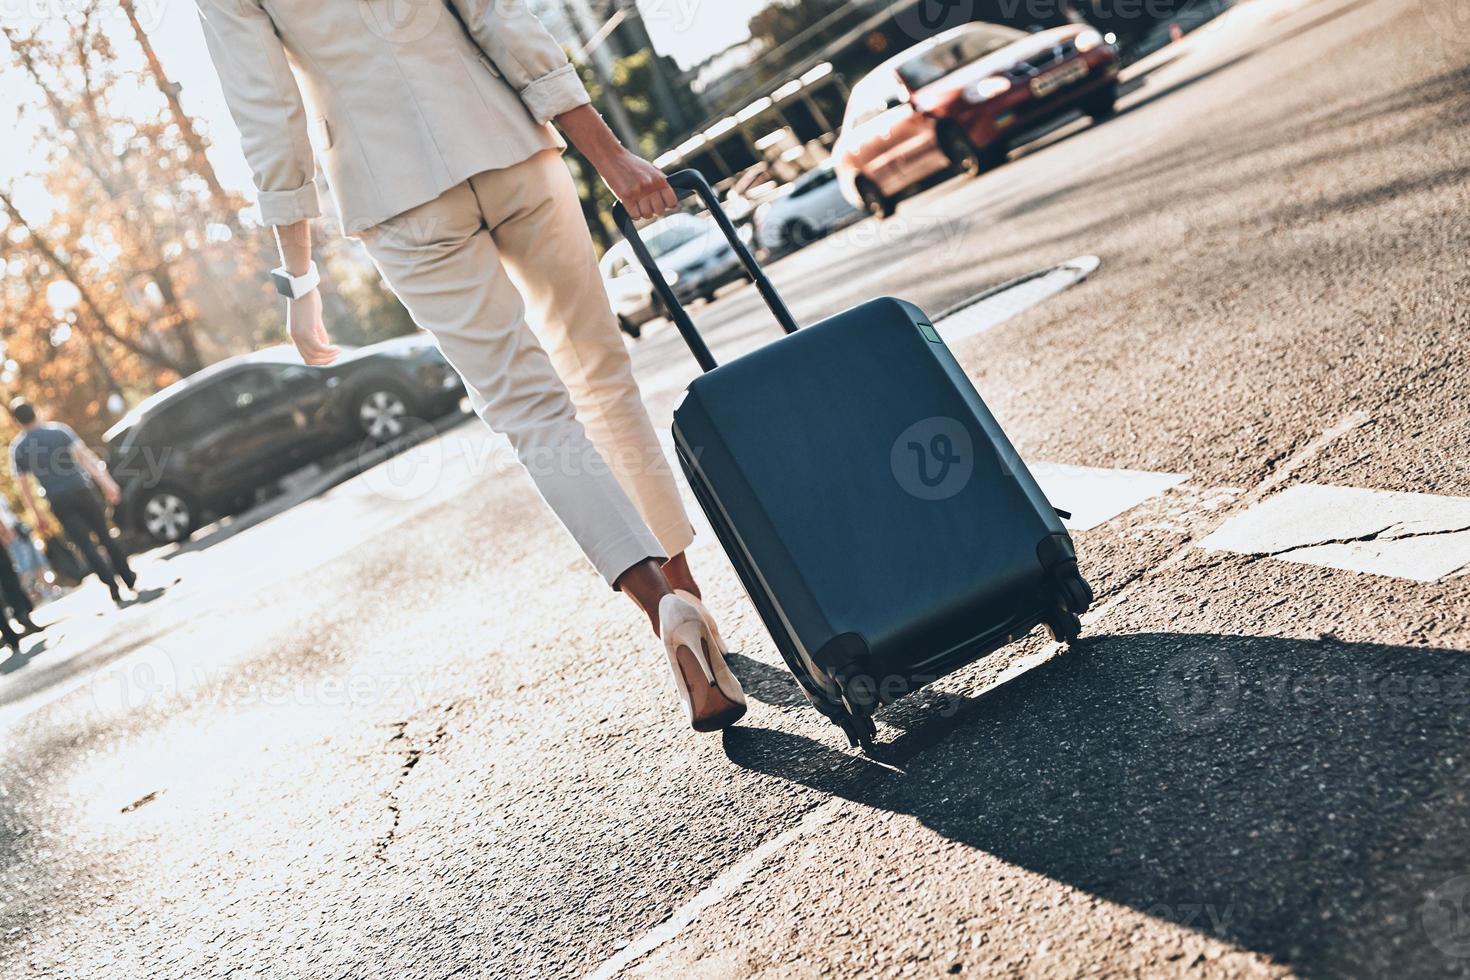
1044	85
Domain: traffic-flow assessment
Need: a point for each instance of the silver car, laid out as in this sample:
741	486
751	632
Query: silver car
813	206
690	251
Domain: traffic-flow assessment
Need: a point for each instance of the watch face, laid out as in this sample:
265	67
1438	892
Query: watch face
283	284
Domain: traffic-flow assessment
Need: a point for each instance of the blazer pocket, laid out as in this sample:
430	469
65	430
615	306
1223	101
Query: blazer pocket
321	134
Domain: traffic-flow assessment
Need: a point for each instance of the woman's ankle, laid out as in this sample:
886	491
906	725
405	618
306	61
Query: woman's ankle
646	585
676	572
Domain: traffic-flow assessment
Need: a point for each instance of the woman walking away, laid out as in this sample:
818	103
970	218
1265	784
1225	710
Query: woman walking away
433	130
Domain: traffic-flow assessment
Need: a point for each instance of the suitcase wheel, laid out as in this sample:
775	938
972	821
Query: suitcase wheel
860	731
1075	594
1063	625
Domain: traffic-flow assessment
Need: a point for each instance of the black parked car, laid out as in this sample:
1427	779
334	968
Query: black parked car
206	444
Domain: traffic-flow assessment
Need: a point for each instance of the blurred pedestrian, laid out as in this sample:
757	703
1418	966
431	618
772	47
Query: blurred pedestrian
29	558
71	476
14	602
436	142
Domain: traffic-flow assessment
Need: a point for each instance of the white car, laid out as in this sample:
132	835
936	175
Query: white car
693	255
628	289
813	207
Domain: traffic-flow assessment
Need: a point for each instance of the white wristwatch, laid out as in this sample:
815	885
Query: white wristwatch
295	287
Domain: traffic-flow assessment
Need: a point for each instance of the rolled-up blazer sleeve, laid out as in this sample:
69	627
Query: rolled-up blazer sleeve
525	54
266	105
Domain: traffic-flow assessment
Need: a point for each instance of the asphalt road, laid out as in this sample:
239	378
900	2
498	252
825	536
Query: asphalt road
402	730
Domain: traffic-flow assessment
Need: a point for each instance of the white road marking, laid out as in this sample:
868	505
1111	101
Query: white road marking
994	307
1417	536
725	885
1095	496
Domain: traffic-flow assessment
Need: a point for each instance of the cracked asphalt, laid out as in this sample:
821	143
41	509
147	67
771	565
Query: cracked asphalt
402	730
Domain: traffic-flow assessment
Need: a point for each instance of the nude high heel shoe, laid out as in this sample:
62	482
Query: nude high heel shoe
711	695
726	680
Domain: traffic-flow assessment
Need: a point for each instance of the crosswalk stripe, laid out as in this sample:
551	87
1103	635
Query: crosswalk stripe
1417	536
1093	495
1000	303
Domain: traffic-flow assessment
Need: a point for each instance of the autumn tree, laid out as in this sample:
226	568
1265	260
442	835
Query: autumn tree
129	265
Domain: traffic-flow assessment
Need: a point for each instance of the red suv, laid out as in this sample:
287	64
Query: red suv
954	101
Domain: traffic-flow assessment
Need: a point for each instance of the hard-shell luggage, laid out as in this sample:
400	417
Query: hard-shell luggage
880	520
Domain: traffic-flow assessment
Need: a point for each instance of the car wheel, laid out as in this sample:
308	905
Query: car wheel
797	234
878	204
962	153
1104	104
384	411
167	515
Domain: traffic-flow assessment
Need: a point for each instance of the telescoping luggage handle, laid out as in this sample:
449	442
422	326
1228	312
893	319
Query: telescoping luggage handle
687	182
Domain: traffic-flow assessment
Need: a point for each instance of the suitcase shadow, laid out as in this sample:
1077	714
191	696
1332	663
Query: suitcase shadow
1307	799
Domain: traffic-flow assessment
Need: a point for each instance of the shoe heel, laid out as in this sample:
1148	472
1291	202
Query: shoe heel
703	681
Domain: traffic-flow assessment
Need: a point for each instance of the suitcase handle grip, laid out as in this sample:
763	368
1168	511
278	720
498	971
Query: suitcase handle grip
686	182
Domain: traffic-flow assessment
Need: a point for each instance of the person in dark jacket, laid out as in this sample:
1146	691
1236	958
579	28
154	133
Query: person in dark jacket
71	476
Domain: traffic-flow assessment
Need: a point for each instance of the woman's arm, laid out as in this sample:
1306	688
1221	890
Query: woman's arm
304	315
531	60
266	105
641	186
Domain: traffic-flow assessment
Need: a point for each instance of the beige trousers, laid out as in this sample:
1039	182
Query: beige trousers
501	270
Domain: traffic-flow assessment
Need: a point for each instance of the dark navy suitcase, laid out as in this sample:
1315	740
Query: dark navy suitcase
879	518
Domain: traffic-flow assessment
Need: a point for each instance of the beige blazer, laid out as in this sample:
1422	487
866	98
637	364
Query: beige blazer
401	99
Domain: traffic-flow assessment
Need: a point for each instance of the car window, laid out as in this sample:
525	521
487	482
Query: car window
665	239
813	179
953	51
182	419
871	97
247	390
292	375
